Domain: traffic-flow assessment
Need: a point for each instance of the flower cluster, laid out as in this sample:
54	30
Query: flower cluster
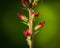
29	6
34	3
35	14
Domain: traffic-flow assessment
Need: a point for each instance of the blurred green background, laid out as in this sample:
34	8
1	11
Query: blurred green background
11	28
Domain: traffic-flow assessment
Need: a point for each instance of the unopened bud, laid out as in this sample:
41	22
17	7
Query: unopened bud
23	3
35	2
27	33
22	17
40	25
35	14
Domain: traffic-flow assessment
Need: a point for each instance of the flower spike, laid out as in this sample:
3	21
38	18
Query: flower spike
30	6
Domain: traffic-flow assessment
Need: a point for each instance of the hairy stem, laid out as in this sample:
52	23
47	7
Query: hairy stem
31	26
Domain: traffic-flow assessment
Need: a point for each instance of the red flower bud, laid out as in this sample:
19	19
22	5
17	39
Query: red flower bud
36	14
23	2
26	33
20	15
23	17
41	24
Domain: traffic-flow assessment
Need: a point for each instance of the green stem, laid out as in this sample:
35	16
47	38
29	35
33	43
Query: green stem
31	26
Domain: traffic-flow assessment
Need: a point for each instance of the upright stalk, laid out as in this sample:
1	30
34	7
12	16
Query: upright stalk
31	26
29	32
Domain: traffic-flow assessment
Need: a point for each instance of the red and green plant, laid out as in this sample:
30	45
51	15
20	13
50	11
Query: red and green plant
29	33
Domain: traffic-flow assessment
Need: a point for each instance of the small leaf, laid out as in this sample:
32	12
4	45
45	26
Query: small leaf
35	33
25	23
29	40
